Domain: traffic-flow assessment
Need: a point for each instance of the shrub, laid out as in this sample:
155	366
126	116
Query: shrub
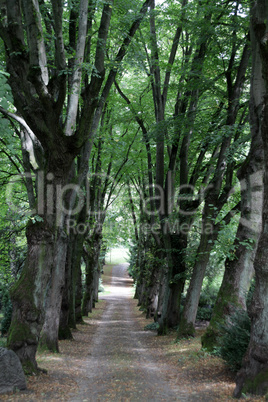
235	339
204	313
208	296
152	327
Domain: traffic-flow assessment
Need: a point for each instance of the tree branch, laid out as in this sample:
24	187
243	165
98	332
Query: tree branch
77	73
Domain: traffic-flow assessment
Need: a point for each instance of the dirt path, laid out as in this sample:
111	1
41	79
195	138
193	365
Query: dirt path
112	358
121	366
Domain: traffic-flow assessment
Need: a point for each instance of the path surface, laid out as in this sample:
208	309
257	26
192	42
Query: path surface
120	366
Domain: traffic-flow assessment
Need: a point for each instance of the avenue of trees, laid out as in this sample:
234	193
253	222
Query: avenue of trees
143	123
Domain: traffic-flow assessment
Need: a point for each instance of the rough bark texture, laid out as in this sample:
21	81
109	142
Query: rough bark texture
239	270
91	255
187	321
253	377
75	280
79	297
163	300
64	328
49	334
28	295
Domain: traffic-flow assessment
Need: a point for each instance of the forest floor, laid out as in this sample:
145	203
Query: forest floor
112	358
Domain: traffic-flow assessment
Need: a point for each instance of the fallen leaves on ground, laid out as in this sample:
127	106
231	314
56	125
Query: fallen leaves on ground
183	363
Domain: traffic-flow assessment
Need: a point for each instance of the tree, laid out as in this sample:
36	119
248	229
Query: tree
199	118
239	268
253	377
219	191
61	104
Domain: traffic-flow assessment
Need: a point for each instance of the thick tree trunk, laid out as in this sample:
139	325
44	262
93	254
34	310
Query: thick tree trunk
186	325
153	290
49	334
187	321
29	292
87	302
96	280
178	245
163	300
64	329
172	281
253	377
239	270
140	281
91	257
77	252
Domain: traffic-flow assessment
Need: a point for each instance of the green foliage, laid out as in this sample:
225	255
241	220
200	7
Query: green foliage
234	340
101	287
7	311
207	300
5	91
204	313
208	295
133	255
152	327
3	343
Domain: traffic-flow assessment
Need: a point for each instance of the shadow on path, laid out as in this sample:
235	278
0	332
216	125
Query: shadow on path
121	367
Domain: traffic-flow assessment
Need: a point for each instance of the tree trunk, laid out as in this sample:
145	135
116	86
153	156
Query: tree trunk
87	302
239	270
178	245
28	293
187	321
77	245
91	257
153	290
49	334
253	377
163	300
79	296
64	329
96	279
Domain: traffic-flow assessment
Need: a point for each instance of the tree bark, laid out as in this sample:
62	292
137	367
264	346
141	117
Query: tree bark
91	257
79	296
253	377
239	269
64	328
87	302
49	334
187	321
28	294
178	245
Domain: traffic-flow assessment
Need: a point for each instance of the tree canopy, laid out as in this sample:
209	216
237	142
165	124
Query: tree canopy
139	124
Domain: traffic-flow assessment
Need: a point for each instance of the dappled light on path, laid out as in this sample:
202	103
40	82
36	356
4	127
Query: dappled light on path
113	359
120	366
125	363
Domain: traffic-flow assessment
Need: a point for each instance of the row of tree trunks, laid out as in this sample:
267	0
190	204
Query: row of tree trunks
40	94
91	256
